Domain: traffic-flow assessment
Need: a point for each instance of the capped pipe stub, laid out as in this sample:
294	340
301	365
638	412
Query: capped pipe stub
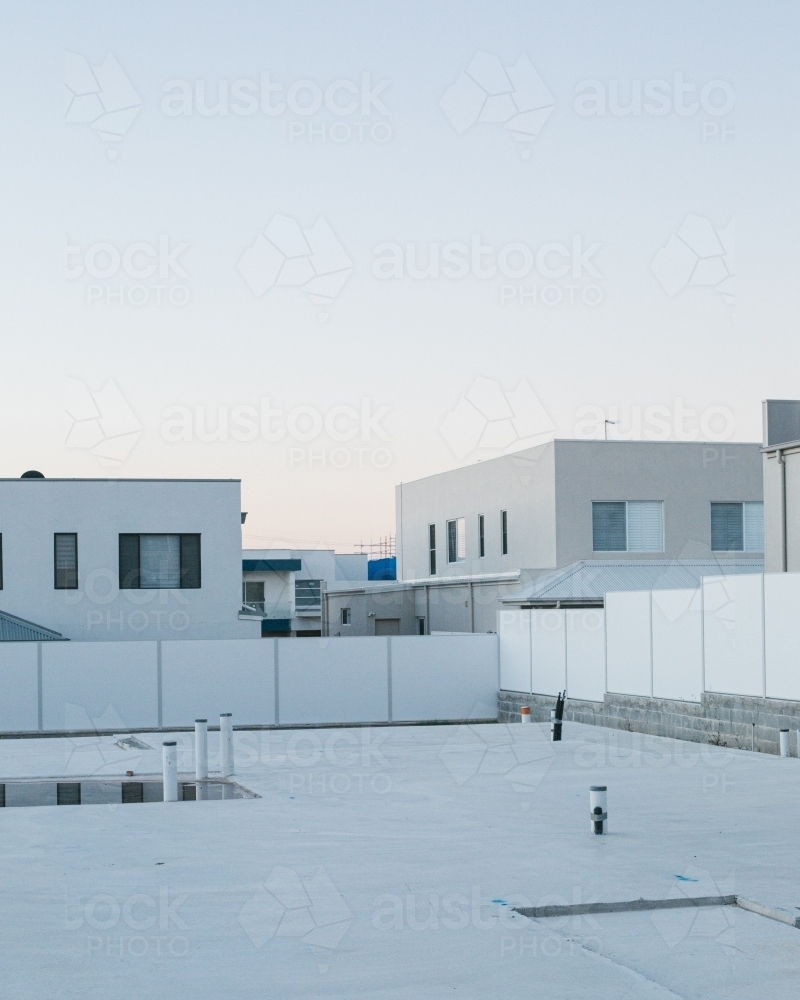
201	720
170	743
598	788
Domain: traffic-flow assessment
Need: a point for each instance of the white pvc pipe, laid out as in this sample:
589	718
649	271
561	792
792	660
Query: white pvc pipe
200	749
169	759
552	724
525	714
784	742
598	799
226	743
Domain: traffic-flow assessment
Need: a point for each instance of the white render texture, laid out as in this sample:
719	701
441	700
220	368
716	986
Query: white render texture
99	510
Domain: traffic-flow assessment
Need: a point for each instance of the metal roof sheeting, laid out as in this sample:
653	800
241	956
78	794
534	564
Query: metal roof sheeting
590	580
13	629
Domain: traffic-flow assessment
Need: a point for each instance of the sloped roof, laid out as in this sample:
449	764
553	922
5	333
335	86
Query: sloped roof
590	580
13	629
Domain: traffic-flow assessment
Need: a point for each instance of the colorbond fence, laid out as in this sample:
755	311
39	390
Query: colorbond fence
733	635
68	686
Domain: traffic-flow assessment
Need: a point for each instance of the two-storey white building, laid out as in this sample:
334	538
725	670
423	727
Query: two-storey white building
100	559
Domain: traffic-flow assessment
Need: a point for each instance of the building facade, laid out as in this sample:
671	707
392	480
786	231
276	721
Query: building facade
781	458
100	559
469	538
283	588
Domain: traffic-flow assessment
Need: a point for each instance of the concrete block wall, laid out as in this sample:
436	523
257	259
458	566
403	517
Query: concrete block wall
724	720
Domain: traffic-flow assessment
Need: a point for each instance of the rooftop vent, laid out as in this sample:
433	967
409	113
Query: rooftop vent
31	474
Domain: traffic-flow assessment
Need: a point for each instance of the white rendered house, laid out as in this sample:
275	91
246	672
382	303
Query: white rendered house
100	559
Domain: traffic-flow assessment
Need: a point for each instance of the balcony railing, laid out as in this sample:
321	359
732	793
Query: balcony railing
264	609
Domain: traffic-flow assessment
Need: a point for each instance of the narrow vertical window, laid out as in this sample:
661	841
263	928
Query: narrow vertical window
66	561
432	549
504	532
481	542
1	562
456	540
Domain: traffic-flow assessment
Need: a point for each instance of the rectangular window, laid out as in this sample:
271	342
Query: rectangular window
737	527
307	595
504	532
253	593
159	562
421	626
633	526
1	562
481	541
66	561
456	540
345	616
432	549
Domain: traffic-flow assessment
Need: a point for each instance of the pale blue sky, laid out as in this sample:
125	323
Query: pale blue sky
414	346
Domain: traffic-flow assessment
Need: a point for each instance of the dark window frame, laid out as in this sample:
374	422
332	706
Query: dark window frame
504	532
131	565
432	550
481	536
73	584
345	617
311	591
727	507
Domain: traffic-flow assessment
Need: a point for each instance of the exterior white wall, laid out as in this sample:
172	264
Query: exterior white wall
781	603
330	680
733	634
773	515
548	651
677	644
628	643
586	654
118	686
202	679
19	702
444	677
548	492
109	685
514	637
522	483
32	510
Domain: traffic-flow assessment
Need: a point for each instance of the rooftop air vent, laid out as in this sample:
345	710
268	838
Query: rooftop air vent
31	474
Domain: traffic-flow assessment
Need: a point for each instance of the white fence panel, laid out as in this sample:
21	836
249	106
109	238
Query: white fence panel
102	685
781	606
202	678
19	683
628	643
444	677
333	680
733	634
677	645
586	654
514	634
548	652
